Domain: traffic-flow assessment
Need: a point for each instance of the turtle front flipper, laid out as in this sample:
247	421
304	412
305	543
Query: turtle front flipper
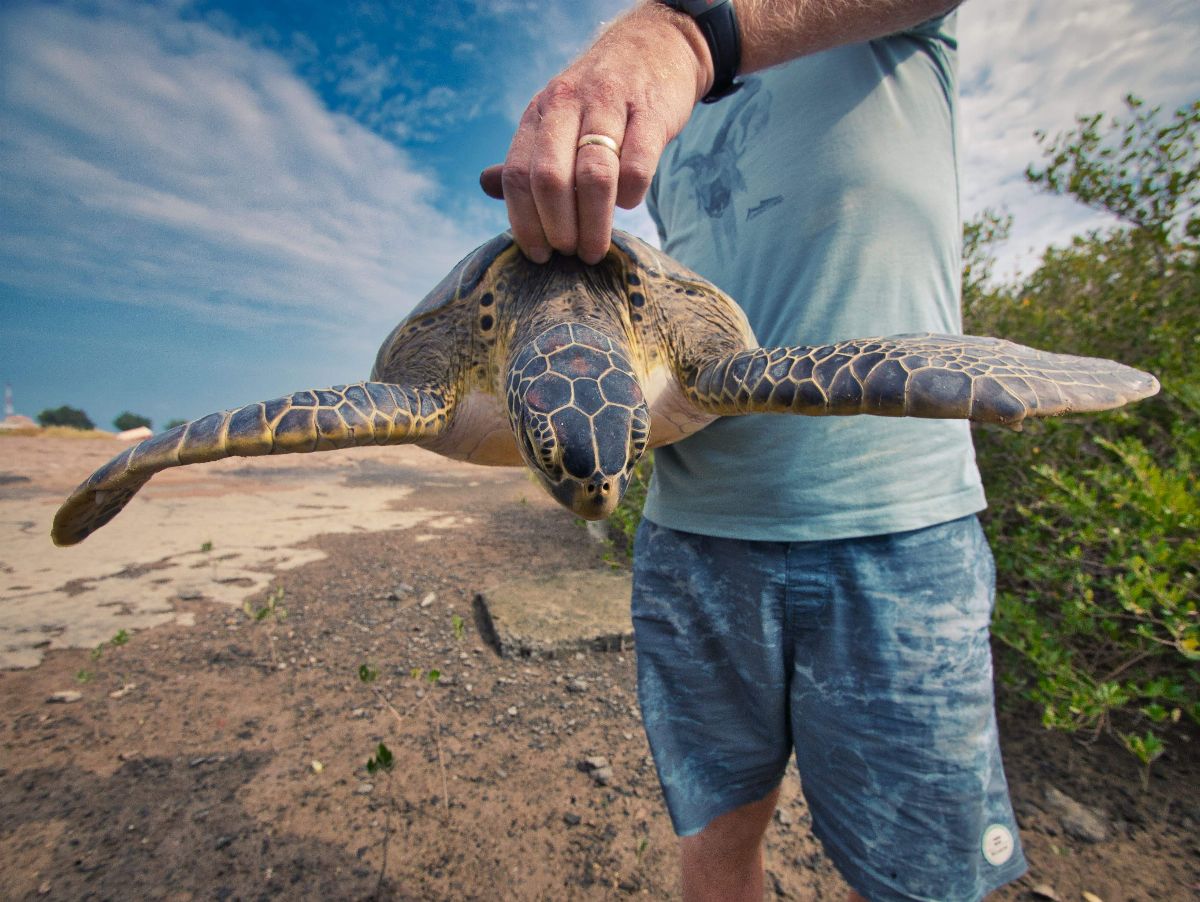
939	376
366	413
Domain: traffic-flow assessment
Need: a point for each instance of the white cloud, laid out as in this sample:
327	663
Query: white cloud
149	160
1028	65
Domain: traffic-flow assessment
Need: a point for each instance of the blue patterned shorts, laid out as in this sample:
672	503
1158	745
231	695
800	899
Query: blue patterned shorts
868	656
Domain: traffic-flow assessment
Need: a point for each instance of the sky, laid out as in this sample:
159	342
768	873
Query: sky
208	203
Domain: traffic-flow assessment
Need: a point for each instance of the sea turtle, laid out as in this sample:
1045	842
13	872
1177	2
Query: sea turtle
576	370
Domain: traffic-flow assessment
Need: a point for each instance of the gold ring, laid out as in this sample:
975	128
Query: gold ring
601	140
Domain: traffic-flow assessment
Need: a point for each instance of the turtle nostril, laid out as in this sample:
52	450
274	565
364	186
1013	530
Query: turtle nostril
598	487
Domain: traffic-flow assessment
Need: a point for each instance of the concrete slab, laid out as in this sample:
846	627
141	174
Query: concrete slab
557	614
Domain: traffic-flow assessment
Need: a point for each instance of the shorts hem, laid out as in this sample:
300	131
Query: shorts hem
723	806
869	887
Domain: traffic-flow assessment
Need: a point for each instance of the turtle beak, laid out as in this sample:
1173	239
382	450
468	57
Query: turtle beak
592	499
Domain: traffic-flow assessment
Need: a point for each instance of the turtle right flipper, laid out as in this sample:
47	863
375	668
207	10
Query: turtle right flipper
366	413
987	380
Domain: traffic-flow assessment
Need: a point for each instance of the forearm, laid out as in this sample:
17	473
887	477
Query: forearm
775	31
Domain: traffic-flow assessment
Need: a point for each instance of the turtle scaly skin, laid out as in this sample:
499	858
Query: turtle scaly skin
574	371
367	413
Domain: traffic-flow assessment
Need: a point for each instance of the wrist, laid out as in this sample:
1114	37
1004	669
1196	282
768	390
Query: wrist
683	34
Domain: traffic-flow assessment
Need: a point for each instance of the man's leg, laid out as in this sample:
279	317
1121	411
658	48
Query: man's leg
723	862
708	623
892	713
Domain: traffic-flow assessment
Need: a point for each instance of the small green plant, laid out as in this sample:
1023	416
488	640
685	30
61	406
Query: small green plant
459	627
273	608
121	638
98	652
367	673
272	612
1146	748
83	676
206	547
382	760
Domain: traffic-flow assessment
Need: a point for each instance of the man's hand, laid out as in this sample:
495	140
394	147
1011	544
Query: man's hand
636	85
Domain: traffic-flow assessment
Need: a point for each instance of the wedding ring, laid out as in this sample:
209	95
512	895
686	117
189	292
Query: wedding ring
601	140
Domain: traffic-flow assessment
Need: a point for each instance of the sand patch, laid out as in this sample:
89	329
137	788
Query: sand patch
129	575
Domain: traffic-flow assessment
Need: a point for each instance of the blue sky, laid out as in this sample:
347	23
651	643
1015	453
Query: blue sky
204	204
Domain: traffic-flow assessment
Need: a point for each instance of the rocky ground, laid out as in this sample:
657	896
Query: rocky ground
214	754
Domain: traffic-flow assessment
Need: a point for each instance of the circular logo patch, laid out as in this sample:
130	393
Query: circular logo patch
998	844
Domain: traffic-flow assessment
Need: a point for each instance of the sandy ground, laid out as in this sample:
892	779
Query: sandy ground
213	756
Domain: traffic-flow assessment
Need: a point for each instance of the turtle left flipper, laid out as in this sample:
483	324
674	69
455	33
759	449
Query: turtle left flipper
922	375
366	413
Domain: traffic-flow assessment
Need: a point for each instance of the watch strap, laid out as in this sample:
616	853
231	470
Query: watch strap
718	23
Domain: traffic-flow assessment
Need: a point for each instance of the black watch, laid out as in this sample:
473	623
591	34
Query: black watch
718	24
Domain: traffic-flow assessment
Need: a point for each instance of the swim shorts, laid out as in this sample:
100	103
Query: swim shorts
870	658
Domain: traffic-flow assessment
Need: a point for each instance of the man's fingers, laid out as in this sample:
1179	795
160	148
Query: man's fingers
491	180
518	193
552	165
597	168
644	143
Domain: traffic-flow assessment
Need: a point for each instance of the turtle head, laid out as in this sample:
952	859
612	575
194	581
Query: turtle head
579	416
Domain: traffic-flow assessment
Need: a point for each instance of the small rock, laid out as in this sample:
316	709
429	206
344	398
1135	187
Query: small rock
598	768
577	686
65	697
364	789
512	712
44	888
1046	891
316	766
571	819
1091	897
358	712
123	691
189	594
224	842
1078	821
785	817
428	599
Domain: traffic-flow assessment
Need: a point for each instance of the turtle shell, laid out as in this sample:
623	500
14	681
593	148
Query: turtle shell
459	282
645	261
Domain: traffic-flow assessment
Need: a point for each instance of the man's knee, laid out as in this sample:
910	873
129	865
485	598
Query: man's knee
724	860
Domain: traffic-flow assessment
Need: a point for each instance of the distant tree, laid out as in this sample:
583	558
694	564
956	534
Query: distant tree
171	424
1141	170
129	420
66	416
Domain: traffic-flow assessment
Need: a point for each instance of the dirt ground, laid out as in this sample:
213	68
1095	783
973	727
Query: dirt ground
210	755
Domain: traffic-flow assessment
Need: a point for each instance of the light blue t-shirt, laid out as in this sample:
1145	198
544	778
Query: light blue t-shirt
823	197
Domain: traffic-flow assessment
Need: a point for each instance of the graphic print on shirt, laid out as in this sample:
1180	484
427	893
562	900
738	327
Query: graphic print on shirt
716	176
